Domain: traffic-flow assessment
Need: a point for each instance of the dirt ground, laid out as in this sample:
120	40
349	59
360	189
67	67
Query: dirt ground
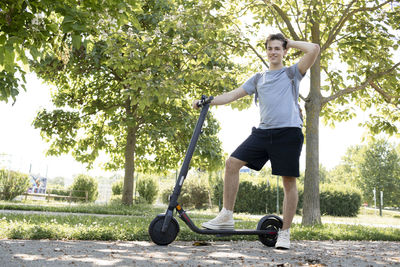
239	253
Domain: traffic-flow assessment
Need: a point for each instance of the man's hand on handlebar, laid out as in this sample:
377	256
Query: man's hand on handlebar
195	104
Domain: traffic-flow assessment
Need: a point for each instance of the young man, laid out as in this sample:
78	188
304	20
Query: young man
278	138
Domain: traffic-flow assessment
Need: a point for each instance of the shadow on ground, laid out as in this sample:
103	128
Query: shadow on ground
241	253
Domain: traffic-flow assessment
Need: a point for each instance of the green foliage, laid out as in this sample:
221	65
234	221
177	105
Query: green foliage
117	187
147	188
339	201
58	190
217	190
87	183
129	90
19	226
40	28
380	169
13	184
194	194
375	165
56	181
253	198
261	198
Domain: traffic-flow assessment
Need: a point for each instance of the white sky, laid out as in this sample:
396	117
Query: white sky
25	149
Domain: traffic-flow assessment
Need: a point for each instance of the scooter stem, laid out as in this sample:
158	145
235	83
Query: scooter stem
173	202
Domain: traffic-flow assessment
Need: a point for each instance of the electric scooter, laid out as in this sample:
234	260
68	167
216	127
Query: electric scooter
164	228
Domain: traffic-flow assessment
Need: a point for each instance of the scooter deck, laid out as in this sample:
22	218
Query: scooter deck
234	232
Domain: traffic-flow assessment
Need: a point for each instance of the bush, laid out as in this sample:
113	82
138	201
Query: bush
58	190
193	194
217	191
147	188
87	183
339	201
13	184
251	198
117	187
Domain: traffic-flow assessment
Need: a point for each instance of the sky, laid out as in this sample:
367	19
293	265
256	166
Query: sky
23	149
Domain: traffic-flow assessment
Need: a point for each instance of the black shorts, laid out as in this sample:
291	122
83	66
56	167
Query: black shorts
282	146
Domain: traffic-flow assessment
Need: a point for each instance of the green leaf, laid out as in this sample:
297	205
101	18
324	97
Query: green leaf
76	41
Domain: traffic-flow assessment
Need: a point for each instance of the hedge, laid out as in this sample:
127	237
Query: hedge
261	198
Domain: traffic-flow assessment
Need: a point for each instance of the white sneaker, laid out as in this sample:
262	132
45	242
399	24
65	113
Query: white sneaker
283	241
224	221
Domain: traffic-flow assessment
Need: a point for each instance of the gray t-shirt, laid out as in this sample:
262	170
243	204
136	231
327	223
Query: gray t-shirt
278	105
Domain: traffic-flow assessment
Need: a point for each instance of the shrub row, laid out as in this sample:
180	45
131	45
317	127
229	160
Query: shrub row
339	201
251	198
261	198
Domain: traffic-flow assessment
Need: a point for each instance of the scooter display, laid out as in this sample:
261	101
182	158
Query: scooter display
164	228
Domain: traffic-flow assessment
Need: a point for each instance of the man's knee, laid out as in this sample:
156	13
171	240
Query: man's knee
233	164
289	182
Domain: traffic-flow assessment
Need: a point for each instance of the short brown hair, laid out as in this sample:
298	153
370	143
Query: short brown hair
276	36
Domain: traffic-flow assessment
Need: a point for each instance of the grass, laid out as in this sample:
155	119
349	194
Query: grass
135	225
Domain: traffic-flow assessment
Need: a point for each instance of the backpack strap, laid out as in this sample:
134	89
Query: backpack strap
258	76
290	73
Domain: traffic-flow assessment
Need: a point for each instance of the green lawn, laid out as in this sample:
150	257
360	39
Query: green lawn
135	225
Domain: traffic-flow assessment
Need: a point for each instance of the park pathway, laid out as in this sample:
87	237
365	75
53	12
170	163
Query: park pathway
41	253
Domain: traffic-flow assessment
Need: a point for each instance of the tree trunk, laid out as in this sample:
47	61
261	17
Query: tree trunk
311	207
311	204
127	194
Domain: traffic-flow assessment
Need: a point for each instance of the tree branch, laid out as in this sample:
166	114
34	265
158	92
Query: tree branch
360	87
285	18
258	55
336	29
388	97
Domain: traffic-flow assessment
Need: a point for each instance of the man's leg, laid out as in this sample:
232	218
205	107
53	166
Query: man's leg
231	181
224	220
290	200
289	210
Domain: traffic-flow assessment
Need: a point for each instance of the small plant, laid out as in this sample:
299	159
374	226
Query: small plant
147	188
85	183
13	184
58	190
193	194
117	187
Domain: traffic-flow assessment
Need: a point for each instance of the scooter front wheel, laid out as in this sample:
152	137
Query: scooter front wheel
272	224
159	237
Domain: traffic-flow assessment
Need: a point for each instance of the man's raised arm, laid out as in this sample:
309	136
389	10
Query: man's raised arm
310	50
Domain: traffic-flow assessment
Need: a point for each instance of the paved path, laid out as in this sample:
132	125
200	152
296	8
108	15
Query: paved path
35	253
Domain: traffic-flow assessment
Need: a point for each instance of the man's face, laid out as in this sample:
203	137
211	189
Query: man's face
275	52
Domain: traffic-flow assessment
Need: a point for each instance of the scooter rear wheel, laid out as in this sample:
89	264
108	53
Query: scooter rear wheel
159	237
271	224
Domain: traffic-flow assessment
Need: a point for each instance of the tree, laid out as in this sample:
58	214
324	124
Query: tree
129	91
36	28
356	67
379	170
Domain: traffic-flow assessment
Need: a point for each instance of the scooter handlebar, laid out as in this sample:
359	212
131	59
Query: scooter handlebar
204	101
